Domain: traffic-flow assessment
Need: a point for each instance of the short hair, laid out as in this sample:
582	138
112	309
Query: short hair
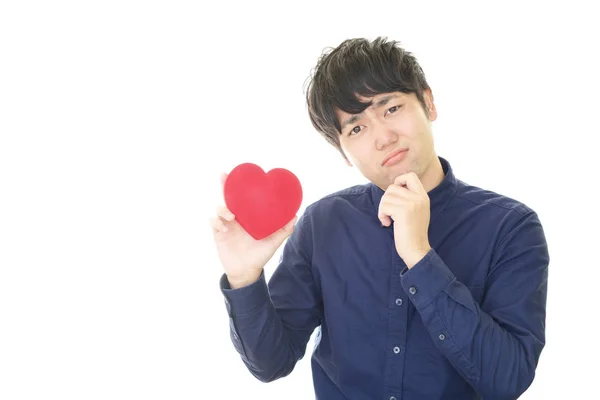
359	67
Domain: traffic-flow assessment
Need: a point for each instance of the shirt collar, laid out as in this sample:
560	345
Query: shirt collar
438	196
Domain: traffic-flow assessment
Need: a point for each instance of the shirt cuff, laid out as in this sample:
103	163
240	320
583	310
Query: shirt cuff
247	300
426	279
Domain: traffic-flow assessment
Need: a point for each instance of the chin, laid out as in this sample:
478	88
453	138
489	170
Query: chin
396	171
400	170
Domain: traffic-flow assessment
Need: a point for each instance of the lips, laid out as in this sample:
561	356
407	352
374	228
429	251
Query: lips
394	156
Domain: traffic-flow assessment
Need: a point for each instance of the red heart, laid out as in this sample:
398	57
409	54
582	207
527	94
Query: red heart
262	203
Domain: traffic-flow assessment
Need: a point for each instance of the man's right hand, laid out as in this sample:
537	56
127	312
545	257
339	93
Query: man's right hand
243	257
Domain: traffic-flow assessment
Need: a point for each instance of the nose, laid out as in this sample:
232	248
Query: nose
383	135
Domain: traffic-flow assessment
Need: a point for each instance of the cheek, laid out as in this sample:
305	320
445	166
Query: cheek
357	155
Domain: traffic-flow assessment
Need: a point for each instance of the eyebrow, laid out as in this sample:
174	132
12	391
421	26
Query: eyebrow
379	103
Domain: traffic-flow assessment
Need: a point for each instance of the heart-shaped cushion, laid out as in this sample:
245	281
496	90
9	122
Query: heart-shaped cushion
262	202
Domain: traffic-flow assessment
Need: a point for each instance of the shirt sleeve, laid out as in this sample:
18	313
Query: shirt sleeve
270	324
495	346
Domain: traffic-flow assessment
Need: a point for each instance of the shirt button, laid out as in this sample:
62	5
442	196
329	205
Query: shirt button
396	349
412	290
398	302
392	398
442	336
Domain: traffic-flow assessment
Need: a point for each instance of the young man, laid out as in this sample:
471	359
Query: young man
422	286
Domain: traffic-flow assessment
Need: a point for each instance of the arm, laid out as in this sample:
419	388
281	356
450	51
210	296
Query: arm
495	346
270	325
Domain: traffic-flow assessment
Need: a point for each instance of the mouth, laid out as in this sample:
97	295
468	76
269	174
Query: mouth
394	157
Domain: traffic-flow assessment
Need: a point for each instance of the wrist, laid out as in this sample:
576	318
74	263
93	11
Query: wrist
414	257
240	281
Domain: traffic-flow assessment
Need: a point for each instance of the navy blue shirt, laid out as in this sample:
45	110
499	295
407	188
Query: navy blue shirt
466	322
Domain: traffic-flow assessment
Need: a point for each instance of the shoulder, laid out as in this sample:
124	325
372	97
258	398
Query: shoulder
507	217
490	200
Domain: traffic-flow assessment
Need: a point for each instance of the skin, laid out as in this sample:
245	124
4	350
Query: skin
398	122
242	257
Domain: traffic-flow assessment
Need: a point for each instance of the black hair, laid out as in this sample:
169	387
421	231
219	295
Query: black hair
359	67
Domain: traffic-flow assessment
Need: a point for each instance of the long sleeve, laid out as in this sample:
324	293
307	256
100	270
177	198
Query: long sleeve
495	346
270	324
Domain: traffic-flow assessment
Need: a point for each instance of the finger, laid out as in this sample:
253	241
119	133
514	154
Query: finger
391	203
225	213
384	214
401	192
385	220
218	225
411	181
223	179
289	227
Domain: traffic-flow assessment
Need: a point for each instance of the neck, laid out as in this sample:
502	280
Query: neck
433	175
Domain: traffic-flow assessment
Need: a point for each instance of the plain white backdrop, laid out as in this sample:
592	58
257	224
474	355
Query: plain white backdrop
117	117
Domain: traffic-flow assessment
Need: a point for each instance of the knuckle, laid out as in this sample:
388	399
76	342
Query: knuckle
223	211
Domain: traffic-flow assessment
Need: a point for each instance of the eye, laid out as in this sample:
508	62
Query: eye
393	109
354	130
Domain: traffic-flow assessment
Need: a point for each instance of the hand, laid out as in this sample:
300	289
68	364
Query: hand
243	257
406	201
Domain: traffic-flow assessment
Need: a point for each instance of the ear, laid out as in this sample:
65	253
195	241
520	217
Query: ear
428	95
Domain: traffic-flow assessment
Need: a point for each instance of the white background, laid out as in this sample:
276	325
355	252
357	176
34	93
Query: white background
117	117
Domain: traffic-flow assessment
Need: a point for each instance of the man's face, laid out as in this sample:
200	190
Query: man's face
394	122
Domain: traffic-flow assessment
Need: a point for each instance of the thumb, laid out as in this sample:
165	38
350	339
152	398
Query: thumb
278	237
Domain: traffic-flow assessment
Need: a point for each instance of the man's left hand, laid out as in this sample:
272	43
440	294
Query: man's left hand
406	201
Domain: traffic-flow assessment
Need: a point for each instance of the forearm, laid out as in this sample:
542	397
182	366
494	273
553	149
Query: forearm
497	360
257	332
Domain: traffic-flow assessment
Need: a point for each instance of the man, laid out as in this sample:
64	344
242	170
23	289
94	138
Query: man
421	286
